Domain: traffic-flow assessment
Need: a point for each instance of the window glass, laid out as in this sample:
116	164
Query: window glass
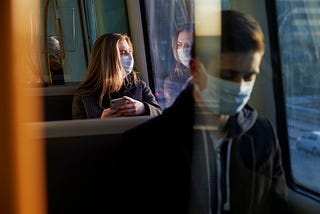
164	18
62	43
299	37
111	16
69	30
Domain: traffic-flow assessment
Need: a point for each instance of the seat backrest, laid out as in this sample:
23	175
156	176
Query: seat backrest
82	159
57	101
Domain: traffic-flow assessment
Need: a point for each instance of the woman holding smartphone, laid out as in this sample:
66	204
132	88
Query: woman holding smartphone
110	76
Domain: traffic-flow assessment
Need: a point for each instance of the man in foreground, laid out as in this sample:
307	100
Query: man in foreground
210	152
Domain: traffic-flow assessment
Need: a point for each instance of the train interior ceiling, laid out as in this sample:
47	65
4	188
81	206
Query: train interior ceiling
70	153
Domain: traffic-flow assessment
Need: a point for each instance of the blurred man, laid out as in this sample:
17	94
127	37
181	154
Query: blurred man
210	152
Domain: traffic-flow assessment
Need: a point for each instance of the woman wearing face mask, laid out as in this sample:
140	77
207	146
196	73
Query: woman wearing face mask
110	75
181	47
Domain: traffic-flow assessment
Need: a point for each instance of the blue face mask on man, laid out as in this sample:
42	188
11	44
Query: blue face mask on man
127	62
226	97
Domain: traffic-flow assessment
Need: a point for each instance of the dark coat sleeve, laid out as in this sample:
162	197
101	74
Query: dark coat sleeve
78	109
150	102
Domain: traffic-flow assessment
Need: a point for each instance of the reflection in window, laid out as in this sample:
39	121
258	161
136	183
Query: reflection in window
56	56
164	17
61	22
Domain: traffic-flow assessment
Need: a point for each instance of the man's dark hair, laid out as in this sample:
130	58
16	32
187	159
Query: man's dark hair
240	32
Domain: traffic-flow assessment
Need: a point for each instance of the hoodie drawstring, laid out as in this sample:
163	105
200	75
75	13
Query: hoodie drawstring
227	204
207	166
217	145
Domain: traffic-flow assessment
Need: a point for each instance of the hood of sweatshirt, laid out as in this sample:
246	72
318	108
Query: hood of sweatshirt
242	121
237	124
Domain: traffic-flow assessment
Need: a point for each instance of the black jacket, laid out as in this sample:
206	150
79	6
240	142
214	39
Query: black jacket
174	82
87	106
160	154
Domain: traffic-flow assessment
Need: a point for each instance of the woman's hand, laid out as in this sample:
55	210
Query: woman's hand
131	107
109	113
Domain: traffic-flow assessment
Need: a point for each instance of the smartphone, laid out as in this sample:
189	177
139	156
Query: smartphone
115	103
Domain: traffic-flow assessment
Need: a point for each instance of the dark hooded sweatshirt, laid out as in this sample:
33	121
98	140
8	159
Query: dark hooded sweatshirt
161	175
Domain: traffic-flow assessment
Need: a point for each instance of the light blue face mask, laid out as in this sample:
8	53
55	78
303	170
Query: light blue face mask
226	97
184	55
127	64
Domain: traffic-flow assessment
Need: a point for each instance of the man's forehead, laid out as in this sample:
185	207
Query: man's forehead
242	62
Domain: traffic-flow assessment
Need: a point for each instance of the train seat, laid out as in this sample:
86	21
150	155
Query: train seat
82	159
57	101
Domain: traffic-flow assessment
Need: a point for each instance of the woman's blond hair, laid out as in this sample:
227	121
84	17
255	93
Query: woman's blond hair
104	72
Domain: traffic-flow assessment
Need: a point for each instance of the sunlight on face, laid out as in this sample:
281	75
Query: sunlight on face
124	48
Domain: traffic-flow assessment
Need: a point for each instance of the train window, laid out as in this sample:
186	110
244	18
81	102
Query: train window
69	29
163	19
62	43
299	43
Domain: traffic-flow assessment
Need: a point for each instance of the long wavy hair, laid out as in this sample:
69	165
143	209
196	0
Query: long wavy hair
105	72
179	68
174	42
